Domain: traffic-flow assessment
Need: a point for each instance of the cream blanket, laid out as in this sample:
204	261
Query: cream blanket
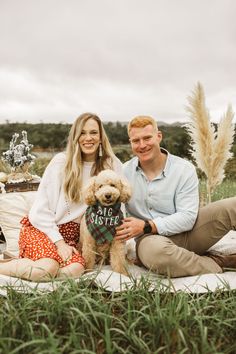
115	282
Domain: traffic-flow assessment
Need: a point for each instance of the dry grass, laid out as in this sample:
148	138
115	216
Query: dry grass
211	149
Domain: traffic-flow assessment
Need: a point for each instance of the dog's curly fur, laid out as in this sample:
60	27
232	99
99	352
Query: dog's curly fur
107	188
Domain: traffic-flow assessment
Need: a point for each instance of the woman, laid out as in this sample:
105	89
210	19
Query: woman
49	236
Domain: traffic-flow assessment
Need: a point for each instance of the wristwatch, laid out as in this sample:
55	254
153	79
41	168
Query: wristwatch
147	229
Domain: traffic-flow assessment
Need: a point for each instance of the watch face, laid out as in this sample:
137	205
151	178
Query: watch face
147	228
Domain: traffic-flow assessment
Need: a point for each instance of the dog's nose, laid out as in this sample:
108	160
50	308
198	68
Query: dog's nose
108	196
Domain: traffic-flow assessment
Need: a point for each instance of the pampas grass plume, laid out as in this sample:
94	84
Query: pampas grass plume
210	149
222	146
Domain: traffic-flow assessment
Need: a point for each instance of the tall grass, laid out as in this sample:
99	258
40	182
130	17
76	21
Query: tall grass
80	318
226	189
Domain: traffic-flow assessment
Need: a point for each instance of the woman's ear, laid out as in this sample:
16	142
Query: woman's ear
89	192
125	193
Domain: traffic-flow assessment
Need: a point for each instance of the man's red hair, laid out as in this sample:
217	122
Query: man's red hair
141	122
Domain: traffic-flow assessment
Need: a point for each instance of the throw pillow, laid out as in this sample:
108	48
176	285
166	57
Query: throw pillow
13	207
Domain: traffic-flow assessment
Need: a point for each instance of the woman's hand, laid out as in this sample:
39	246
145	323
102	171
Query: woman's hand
131	227
64	250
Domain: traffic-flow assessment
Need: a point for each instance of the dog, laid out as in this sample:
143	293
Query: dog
104	195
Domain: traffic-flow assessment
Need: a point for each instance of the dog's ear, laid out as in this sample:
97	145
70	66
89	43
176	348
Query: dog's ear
125	192
89	192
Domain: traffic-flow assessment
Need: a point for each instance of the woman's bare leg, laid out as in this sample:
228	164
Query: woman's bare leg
43	269
73	270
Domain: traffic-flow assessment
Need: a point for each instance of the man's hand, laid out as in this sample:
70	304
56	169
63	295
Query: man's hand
65	251
131	227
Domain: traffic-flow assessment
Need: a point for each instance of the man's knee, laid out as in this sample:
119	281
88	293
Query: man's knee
225	211
154	251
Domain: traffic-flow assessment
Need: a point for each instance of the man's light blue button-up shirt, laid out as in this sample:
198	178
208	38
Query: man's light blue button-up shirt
170	200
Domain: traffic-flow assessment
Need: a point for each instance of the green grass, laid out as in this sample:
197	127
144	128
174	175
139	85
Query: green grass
80	318
226	189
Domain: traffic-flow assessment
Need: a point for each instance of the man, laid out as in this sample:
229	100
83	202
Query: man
174	235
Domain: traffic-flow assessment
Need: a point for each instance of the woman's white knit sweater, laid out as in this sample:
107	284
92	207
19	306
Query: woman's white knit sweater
51	208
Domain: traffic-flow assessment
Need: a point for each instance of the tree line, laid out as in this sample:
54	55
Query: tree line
53	137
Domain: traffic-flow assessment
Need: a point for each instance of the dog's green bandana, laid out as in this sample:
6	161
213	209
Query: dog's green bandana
102	221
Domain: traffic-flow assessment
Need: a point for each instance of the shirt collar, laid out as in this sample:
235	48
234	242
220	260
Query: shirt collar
168	162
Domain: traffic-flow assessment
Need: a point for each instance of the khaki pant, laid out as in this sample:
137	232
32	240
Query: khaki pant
183	254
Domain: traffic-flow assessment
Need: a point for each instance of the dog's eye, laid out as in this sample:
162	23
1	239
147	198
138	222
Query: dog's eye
112	185
100	186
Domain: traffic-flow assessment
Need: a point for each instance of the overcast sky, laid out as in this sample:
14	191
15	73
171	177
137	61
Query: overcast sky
116	58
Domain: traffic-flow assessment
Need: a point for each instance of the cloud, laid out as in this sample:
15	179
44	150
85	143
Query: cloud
118	59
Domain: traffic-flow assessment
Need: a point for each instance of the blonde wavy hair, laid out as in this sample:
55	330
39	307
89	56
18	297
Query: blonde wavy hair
141	122
74	161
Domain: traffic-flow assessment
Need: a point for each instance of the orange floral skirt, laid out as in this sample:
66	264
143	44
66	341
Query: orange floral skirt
35	244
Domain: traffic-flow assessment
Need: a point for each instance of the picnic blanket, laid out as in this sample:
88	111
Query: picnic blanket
138	276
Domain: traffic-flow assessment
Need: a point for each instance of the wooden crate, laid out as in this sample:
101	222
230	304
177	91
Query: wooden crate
22	186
